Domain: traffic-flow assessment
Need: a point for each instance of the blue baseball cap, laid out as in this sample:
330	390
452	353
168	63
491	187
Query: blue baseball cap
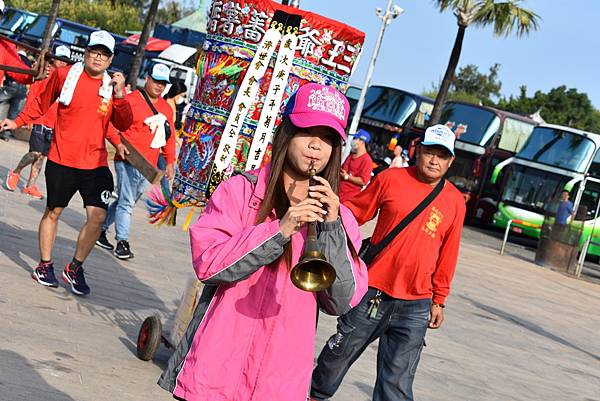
363	136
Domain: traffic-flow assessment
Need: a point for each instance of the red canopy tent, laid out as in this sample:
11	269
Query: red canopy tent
153	45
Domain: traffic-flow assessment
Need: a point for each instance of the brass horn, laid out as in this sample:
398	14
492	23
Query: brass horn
312	272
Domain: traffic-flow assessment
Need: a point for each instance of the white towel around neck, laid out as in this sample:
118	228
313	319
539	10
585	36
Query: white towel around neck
157	128
66	94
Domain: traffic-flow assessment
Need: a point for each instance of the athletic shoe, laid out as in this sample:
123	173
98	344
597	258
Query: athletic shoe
123	251
33	191
76	279
12	180
103	242
44	274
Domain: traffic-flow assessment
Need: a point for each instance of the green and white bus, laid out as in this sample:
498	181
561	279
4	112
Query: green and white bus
553	159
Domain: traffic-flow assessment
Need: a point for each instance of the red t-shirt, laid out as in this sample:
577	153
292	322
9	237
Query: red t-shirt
33	102
81	127
420	262
361	166
139	134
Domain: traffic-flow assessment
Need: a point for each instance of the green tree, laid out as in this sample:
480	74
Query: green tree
505	16
482	86
561	105
470	85
96	13
173	11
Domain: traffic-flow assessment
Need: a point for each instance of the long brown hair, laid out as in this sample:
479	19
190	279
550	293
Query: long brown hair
275	195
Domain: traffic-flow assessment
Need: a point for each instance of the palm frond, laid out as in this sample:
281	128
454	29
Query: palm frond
506	17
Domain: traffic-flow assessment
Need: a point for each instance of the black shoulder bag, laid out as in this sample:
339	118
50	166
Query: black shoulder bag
167	125
369	251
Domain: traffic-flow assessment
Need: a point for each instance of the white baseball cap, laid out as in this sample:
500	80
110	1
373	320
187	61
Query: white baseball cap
439	135
1	6
62	51
102	38
160	72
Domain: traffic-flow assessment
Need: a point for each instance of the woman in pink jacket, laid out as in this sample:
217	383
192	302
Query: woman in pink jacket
252	335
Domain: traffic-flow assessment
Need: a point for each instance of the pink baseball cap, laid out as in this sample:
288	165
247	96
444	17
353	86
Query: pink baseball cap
316	105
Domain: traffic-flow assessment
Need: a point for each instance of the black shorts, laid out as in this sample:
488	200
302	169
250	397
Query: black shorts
94	186
40	139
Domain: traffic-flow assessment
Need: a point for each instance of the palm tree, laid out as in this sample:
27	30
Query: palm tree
504	16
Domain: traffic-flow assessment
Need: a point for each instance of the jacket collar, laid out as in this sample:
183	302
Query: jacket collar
261	183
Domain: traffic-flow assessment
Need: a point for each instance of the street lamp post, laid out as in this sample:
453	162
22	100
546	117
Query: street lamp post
391	12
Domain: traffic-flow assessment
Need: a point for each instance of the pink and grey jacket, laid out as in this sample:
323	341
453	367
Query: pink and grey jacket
252	334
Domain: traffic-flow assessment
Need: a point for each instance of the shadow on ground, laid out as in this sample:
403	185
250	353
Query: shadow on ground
118	296
19	380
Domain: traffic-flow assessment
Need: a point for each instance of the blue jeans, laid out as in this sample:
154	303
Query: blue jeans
130	185
400	326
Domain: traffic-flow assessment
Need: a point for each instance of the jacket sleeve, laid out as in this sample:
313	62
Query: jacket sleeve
47	97
224	248
446	265
364	205
121	116
339	241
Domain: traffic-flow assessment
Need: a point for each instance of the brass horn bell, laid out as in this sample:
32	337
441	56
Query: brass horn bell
312	272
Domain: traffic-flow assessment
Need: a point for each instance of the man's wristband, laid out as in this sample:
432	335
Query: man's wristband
346	177
440	305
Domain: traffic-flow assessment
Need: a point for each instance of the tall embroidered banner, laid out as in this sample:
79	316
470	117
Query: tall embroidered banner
234	114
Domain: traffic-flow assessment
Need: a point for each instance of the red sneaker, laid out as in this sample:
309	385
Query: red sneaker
12	180
33	191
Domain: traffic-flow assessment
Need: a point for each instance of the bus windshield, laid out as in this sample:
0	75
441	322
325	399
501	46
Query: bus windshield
558	148
531	188
388	105
471	124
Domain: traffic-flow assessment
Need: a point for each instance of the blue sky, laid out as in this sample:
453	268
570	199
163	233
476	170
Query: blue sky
416	47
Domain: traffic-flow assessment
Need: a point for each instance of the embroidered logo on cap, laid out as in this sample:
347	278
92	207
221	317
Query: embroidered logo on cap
326	101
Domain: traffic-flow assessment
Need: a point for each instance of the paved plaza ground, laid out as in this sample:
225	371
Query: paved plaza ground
513	330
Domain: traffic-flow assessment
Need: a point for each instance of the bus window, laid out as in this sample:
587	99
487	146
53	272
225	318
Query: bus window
514	134
423	115
471	124
388	105
531	188
73	36
595	167
589	198
558	148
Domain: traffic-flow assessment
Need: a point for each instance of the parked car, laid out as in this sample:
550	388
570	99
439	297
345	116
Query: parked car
14	21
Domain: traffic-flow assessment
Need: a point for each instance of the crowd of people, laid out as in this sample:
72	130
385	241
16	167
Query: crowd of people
253	231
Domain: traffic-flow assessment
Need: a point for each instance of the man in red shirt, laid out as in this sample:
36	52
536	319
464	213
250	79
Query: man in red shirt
150	136
88	99
409	280
357	168
41	134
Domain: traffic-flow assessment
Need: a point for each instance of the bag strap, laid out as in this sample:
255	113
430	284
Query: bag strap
409	218
147	99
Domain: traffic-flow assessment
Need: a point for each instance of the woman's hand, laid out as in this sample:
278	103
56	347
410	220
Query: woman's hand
324	194
307	211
